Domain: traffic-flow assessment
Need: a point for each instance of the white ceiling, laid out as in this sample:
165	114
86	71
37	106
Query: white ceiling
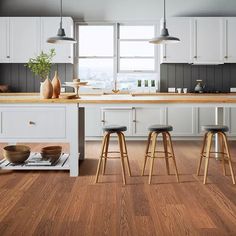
118	9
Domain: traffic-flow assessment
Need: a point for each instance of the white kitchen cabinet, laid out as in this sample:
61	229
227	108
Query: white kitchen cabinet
144	117
183	120
33	123
119	116
93	122
178	52
205	116
208	40
230	39
49	27
24	38
4	40
230	118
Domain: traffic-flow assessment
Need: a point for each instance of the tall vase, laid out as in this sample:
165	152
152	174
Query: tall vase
56	83
46	89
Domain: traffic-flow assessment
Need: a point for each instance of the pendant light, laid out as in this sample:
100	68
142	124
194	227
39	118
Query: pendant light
61	35
164	38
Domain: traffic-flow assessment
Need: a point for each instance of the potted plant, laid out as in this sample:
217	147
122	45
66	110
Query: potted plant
41	66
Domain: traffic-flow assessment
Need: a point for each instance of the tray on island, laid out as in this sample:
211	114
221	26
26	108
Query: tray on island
35	162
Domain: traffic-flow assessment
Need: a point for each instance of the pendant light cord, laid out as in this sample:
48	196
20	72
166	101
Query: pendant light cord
164	22
61	16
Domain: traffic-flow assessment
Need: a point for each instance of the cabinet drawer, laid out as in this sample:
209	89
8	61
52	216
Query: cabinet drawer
34	123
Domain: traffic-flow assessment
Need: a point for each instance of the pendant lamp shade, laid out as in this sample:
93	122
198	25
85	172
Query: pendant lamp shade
164	38
61	38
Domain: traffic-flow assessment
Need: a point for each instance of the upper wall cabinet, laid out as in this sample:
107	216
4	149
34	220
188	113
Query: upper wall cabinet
230	39
24	38
180	52
208	40
49	27
4	39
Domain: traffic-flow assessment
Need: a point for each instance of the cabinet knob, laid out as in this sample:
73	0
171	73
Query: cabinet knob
8	56
195	57
31	122
69	56
102	121
226	57
164	57
134	120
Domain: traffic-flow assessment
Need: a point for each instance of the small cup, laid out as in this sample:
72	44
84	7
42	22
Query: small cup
179	90
185	90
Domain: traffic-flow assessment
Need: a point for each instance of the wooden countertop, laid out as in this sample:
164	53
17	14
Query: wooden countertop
11	98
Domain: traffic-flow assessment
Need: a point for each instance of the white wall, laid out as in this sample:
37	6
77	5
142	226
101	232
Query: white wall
118	9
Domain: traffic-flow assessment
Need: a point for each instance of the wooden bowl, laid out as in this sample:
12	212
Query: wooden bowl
16	153
51	153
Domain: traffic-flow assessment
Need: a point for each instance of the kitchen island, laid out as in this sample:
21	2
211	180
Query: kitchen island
27	118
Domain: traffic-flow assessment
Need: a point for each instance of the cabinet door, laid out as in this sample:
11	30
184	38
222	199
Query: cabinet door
205	116
178	52
24	38
144	117
208	40
4	39
230	39
183	120
230	117
119	116
49	27
93	122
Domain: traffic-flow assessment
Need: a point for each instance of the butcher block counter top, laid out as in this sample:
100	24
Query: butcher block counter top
6	98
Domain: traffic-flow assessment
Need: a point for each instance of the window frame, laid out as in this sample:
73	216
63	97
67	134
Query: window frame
119	40
116	52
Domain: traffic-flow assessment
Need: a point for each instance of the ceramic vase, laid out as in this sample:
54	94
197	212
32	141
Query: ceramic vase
56	83
46	89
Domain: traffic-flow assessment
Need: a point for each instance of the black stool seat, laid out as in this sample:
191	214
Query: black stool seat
215	128
160	128
114	128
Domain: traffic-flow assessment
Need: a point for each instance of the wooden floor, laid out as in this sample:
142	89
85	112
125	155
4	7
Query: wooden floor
52	203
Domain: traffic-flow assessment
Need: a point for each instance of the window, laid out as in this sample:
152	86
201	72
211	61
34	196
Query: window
96	54
116	52
136	54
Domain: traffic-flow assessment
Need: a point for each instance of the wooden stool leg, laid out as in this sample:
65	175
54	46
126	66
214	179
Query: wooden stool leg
105	154
229	157
166	152
202	153
153	148
122	157
126	153
222	144
146	152
173	155
209	143
101	156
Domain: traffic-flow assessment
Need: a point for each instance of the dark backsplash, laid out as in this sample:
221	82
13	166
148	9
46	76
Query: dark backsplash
216	77
21	79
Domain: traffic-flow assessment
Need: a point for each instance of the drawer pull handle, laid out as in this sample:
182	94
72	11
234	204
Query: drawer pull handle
31	123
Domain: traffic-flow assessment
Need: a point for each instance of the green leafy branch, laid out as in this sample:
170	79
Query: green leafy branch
41	65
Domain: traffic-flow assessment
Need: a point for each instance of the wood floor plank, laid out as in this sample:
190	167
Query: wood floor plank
52	203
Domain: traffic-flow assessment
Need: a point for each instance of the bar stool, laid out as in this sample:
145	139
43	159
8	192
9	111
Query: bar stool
206	152
108	130
168	152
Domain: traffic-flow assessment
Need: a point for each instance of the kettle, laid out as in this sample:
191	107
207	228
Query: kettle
199	88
